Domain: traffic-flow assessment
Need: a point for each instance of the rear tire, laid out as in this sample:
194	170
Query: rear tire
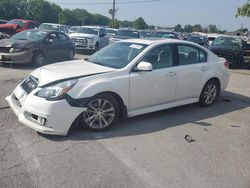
209	93
102	112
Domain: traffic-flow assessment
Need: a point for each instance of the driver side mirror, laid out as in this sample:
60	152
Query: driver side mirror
144	66
49	41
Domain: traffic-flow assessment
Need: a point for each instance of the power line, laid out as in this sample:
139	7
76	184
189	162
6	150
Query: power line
108	3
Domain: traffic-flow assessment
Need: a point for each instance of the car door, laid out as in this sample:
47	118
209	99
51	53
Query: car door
64	44
52	47
192	70
158	86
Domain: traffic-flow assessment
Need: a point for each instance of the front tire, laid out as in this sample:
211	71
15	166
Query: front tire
96	47
102	112
39	59
209	93
71	54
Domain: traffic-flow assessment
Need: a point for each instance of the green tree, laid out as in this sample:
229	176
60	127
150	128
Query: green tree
178	28
188	28
244	10
126	23
42	11
11	9
140	23
212	29
197	28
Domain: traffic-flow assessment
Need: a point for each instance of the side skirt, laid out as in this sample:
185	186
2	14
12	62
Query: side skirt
161	107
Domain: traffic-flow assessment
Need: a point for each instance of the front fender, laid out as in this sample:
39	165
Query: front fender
87	89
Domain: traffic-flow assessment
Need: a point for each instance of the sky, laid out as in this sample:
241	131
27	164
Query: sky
169	12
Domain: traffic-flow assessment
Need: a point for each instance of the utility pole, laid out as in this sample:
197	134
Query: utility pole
113	15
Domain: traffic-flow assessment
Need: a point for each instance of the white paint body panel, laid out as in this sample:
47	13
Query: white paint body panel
141	92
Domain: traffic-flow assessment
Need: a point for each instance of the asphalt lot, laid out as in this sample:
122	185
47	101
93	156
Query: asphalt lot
145	151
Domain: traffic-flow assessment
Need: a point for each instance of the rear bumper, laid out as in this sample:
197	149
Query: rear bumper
17	58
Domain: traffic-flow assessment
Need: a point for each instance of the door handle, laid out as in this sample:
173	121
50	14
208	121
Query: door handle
171	74
204	68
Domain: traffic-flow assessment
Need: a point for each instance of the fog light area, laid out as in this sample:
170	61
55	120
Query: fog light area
36	119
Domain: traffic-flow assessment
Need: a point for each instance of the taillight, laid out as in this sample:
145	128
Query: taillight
226	64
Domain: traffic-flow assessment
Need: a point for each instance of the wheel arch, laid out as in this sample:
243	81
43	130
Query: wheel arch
217	80
123	107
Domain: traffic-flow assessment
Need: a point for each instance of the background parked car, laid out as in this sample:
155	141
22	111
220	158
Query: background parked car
36	46
73	29
124	34
90	37
17	25
165	34
211	37
3	21
231	48
111	32
198	39
54	27
145	34
247	54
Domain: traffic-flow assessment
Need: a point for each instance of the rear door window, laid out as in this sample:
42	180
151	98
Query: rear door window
188	55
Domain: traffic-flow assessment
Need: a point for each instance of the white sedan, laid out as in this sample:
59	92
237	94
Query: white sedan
124	79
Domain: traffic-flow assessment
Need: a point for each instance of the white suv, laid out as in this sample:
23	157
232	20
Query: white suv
125	79
90	37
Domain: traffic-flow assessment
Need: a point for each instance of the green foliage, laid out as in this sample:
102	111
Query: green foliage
126	23
10	9
140	24
244	10
42	11
178	28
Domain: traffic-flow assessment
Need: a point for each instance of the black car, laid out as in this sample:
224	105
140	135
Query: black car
198	39
36	46
230	48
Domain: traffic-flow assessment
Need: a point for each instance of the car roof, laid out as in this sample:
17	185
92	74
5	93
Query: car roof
161	41
53	24
45	30
25	20
91	26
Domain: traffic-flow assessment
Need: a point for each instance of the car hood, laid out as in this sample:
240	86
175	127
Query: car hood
82	35
67	70
20	44
9	26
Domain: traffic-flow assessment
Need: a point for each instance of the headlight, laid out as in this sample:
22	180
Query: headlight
57	90
13	50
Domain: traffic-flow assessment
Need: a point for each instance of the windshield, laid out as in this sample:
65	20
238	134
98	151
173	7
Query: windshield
49	27
127	33
30	35
18	22
164	35
87	30
227	42
117	55
111	32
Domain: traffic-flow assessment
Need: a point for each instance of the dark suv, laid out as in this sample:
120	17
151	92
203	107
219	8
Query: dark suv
17	25
231	48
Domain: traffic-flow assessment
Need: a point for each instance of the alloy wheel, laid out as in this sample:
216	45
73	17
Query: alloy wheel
210	93
100	114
